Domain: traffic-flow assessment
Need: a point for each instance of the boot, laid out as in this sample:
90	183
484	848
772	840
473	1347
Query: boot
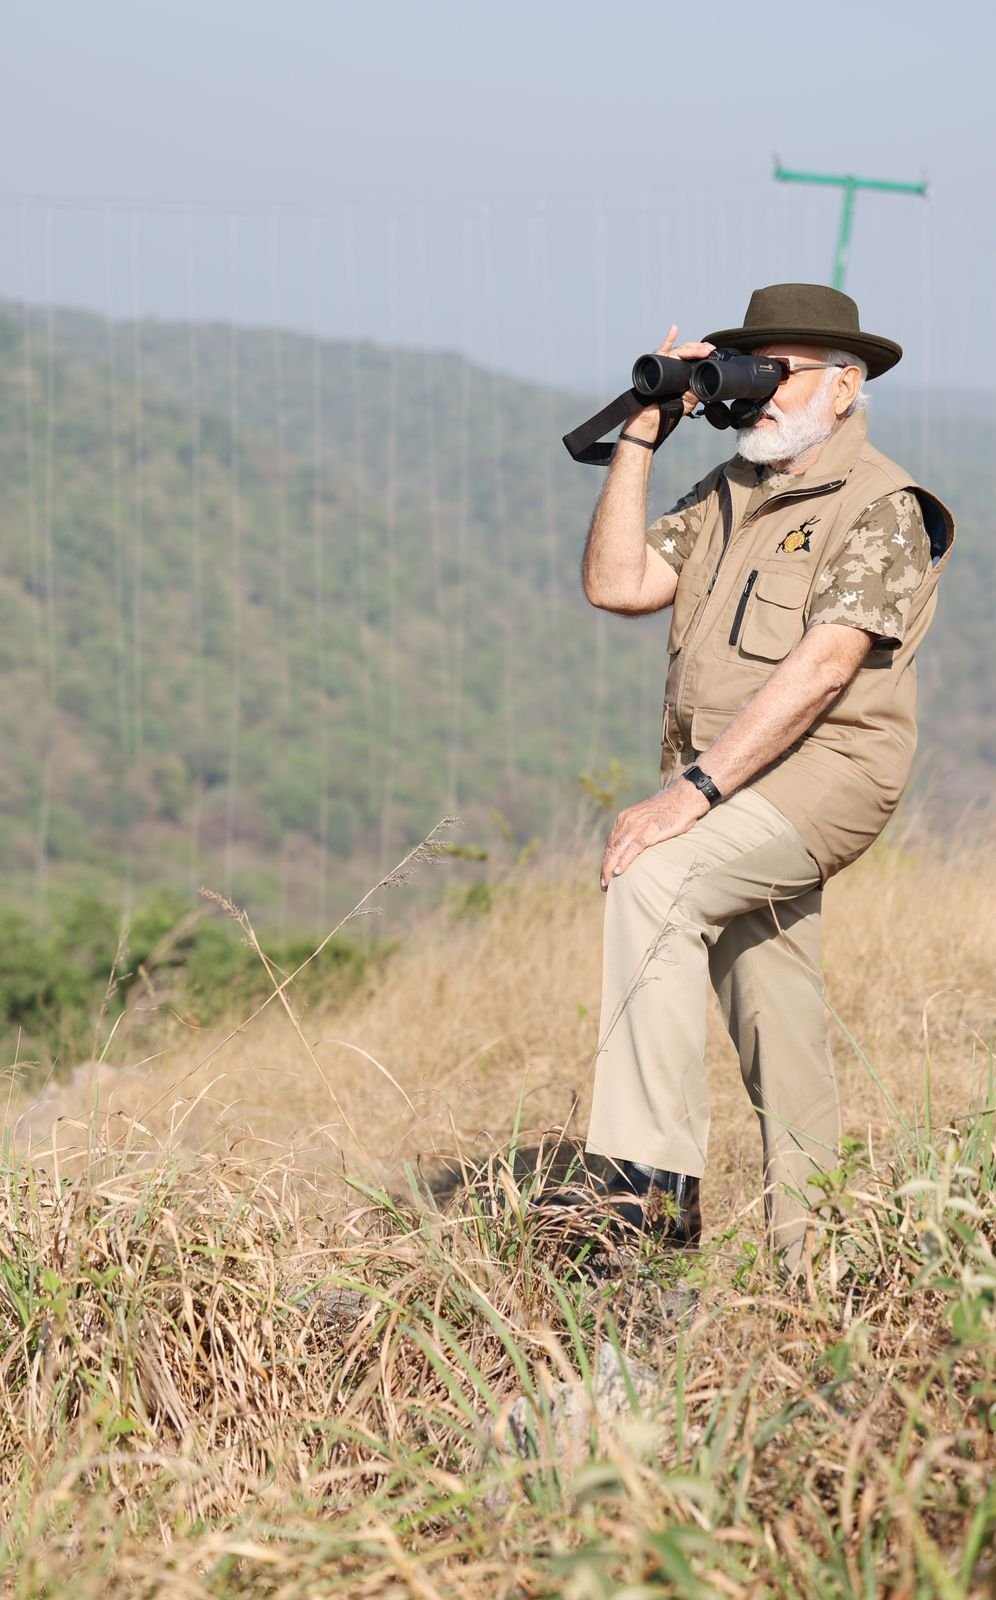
652	1200
636	1200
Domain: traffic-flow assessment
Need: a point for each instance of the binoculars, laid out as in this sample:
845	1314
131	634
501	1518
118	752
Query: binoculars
736	385
733	388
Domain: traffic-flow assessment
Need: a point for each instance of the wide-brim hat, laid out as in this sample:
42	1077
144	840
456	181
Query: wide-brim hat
808	313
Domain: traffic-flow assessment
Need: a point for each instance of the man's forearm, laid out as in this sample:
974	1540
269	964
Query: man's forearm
615	556
800	690
806	683
620	572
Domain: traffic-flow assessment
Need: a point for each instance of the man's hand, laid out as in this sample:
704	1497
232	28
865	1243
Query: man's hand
663	816
646	424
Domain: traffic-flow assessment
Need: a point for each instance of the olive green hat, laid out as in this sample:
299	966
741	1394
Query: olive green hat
808	313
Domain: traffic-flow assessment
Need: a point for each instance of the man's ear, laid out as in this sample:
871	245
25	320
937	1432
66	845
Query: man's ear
845	390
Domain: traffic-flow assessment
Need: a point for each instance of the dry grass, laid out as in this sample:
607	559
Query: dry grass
182	1415
486	1021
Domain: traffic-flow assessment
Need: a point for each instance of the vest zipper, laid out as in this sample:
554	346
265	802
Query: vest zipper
788	495
741	608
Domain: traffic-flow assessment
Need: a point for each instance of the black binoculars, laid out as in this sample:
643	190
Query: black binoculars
737	383
733	388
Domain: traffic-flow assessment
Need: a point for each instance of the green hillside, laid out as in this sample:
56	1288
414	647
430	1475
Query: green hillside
270	606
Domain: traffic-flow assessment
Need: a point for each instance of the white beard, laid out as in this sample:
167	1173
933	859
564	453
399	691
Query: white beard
794	432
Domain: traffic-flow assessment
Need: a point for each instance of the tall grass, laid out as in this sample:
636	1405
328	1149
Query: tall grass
260	1338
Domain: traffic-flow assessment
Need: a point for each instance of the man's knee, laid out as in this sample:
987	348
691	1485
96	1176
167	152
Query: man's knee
661	883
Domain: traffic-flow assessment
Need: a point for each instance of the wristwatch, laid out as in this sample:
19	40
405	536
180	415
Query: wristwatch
703	783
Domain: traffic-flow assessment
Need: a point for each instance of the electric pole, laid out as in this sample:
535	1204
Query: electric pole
850	187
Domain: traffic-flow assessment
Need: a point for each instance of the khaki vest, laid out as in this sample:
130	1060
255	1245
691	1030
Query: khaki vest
740	607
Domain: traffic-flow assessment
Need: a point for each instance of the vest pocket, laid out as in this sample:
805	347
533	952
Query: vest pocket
773	620
707	726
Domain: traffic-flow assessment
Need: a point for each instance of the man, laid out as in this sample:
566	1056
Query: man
802	577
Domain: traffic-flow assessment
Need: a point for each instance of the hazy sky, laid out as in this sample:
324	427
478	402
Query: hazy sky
543	185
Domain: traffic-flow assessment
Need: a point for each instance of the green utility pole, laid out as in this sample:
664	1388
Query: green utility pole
850	187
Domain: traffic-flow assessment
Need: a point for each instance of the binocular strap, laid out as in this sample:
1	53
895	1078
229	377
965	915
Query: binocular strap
581	441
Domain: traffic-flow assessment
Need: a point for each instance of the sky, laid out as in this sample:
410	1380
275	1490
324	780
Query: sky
544	186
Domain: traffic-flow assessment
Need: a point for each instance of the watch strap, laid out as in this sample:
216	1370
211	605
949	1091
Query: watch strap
703	783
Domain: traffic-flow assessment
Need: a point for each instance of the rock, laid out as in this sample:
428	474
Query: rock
649	1311
558	1432
334	1310
332	1314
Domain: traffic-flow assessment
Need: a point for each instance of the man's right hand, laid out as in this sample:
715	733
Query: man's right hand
646	424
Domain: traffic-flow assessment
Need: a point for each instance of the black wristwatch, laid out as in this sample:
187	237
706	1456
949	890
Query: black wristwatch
703	783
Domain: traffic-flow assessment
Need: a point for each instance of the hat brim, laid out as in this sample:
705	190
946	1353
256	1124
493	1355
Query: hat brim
879	354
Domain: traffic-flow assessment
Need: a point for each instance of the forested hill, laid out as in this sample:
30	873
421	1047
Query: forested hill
270	606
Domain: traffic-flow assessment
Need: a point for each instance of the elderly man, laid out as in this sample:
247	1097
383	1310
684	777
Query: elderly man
802	577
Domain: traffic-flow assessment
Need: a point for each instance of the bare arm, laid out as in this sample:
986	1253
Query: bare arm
801	689
620	571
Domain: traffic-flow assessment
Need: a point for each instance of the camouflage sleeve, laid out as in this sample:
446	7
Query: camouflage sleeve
673	535
873	580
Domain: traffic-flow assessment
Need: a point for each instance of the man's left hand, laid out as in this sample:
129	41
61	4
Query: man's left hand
663	816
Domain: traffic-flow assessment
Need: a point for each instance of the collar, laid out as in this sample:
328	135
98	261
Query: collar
835	460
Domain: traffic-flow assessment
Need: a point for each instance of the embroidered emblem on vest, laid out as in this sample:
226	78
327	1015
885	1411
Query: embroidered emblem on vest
798	539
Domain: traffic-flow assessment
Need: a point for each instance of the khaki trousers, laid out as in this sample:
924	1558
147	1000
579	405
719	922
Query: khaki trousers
736	899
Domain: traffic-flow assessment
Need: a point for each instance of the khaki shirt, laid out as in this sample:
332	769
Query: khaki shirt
762	557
